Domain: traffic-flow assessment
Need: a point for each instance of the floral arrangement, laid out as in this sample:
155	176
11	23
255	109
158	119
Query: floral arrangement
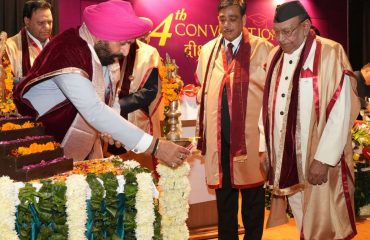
13	126
76	206
35	148
7	106
145	215
7	209
100	205
361	160
141	221
173	201
171	81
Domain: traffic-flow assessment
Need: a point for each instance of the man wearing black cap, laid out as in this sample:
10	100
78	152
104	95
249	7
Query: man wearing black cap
231	70
309	106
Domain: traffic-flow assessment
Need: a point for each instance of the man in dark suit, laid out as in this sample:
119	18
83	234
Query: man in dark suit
230	70
140	94
363	85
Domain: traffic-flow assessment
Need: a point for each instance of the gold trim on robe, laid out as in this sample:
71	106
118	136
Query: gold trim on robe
328	200
14	51
244	170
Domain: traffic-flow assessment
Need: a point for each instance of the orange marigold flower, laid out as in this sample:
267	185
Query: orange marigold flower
37	148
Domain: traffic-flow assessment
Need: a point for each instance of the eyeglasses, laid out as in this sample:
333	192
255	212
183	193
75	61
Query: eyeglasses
285	32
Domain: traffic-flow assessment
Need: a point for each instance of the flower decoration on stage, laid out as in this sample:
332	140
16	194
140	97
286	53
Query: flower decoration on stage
99	205
130	164
145	215
13	126
76	207
7	208
361	142
35	148
173	200
361	160
171	81
7	106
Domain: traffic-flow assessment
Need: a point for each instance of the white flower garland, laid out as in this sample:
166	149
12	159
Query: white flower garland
76	206
173	201
145	215
7	209
130	164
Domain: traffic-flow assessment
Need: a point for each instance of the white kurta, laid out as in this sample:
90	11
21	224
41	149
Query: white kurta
334	136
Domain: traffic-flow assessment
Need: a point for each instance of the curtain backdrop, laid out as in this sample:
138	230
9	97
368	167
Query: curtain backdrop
366	31
11	16
359	32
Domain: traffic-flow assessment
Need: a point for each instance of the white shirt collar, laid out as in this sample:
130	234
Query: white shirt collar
38	43
235	42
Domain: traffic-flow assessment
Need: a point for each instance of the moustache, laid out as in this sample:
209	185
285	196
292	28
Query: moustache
119	56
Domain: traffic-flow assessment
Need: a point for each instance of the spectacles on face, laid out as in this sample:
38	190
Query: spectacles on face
285	32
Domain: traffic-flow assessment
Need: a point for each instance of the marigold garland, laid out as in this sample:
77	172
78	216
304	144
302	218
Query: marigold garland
13	126
35	148
171	82
7	106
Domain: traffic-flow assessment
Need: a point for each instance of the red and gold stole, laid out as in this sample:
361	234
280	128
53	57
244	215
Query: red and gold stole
238	102
289	172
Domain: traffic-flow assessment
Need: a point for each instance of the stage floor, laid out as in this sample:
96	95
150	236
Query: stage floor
289	231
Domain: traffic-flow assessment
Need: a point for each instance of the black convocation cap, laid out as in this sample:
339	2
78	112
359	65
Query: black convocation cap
289	10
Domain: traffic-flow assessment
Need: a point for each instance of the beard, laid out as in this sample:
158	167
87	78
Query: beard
105	55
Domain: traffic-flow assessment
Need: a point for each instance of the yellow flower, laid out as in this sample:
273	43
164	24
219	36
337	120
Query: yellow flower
36	148
7	106
171	67
5	109
171	82
12	106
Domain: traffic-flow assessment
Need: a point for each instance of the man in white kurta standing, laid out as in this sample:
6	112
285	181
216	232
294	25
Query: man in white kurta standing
309	107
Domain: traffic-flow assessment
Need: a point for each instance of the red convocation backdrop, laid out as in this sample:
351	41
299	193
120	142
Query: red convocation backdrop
181	27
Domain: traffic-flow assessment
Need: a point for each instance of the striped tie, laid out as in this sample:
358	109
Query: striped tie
229	53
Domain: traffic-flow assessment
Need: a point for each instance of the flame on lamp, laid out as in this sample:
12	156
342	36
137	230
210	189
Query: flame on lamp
278	2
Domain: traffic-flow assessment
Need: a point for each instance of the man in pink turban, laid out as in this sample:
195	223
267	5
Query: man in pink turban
140	94
72	86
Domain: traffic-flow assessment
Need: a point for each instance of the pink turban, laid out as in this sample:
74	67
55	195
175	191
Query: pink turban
148	20
114	20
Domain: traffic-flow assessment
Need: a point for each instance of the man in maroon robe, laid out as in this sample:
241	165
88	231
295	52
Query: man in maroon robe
74	81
